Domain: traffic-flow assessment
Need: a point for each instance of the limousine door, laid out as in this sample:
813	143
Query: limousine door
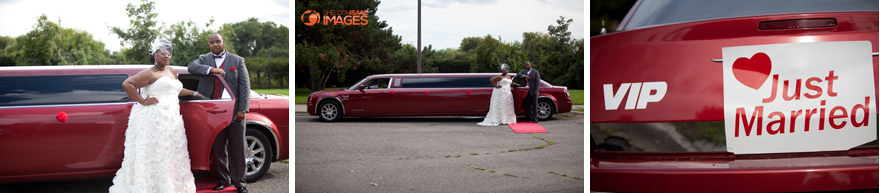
371	101
61	124
203	119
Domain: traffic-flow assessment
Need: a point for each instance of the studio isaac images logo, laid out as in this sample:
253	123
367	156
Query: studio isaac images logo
335	17
799	97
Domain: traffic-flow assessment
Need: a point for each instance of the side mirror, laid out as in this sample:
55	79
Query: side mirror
361	87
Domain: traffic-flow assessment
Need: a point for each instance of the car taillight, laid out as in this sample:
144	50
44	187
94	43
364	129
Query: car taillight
567	96
797	24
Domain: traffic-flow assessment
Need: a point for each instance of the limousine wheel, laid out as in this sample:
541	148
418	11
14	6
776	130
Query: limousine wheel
330	111
545	109
257	155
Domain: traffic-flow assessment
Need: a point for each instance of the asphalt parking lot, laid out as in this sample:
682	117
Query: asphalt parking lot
437	154
277	179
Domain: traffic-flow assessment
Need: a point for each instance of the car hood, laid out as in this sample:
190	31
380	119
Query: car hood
325	91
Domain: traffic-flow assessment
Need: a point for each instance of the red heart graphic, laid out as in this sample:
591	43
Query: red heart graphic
752	72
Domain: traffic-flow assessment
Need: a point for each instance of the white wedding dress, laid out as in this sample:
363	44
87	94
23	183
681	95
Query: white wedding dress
500	105
156	157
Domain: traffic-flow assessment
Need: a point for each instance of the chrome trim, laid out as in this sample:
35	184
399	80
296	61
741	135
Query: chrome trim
453	88
274	136
67	105
319	104
556	106
390	81
720	60
625	20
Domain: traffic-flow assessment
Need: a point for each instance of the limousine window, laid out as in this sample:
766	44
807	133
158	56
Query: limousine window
64	89
379	83
446	82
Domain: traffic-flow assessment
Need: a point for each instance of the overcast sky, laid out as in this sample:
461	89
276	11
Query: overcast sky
446	22
17	17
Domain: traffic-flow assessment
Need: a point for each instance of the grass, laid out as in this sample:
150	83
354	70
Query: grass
301	95
577	96
281	91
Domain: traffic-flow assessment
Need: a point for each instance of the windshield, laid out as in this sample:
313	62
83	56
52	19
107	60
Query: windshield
661	12
353	87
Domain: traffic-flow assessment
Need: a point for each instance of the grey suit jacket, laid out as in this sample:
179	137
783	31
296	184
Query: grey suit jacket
238	80
534	80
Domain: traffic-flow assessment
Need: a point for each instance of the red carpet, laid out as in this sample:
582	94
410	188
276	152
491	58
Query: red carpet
526	127
205	183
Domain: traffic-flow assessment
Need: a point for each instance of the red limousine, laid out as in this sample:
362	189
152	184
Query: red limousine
680	141
435	94
38	146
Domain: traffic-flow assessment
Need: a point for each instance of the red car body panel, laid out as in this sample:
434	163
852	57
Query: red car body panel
726	172
90	142
681	55
398	101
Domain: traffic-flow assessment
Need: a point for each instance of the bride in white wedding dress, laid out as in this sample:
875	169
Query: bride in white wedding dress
156	157
501	104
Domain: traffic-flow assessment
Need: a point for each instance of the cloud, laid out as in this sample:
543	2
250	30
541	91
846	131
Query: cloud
9	2
399	8
445	3
284	3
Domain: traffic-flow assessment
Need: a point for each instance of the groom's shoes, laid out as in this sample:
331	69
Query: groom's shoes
220	186
242	190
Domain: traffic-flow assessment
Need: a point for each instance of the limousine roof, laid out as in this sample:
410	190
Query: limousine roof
79	69
433	75
438	75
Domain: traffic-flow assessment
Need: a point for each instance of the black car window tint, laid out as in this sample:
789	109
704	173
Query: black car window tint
661	12
63	89
379	83
446	82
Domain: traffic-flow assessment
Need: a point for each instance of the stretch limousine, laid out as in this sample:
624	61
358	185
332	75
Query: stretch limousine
68	122
435	94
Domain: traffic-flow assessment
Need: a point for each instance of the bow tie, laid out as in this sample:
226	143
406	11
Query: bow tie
220	56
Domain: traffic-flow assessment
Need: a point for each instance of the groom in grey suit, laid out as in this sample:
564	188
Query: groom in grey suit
533	79
231	67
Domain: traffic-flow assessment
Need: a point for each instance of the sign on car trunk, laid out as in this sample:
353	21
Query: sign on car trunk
799	97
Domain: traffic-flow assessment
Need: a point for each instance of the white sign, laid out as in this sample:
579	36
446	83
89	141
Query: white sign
799	97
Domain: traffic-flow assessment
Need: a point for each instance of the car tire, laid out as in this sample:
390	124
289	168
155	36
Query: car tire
546	109
330	111
258	155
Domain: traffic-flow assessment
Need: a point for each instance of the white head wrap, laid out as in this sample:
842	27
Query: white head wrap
157	44
504	66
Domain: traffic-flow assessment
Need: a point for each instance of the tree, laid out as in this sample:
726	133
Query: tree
50	44
189	41
142	30
490	53
6	58
563	57
251	36
331	50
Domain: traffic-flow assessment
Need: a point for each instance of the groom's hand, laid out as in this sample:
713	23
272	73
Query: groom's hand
219	71
239	116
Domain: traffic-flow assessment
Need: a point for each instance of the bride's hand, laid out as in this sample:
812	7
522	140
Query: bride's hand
498	86
150	101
